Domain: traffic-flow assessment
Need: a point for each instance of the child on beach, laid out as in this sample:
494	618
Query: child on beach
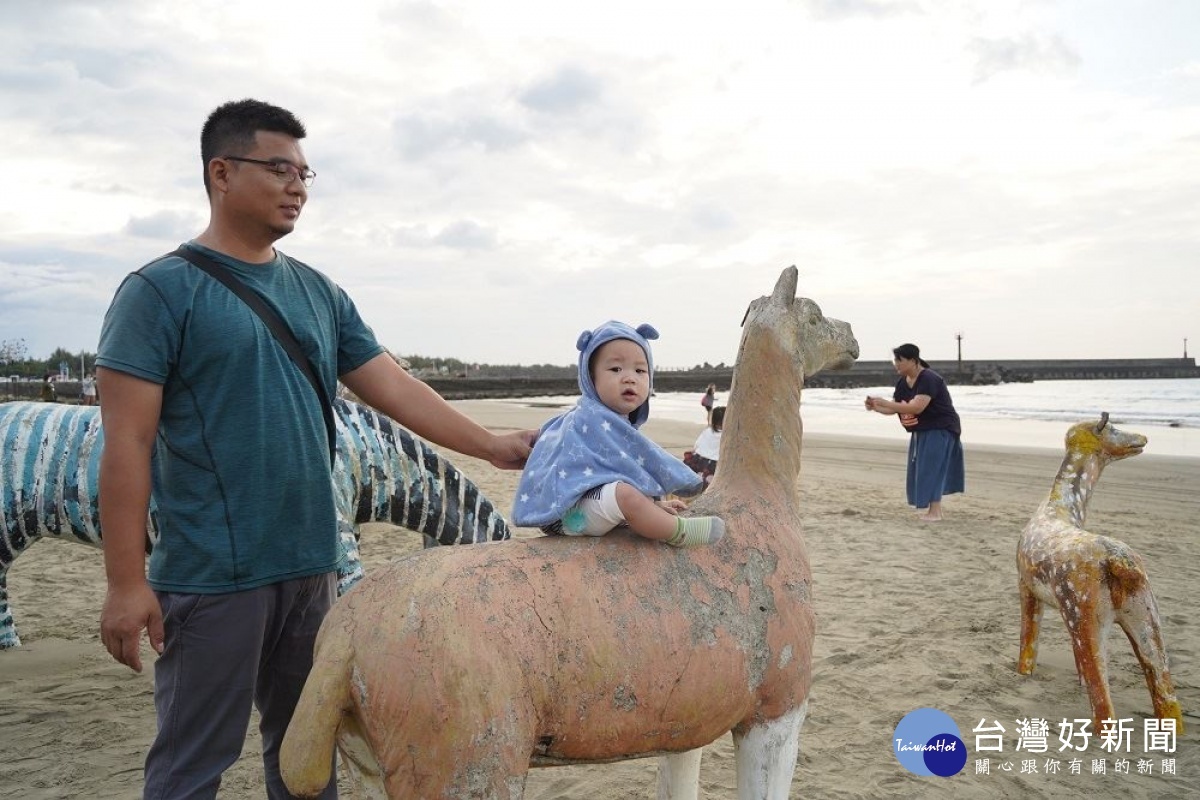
592	470
704	454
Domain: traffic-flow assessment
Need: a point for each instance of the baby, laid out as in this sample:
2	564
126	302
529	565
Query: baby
591	470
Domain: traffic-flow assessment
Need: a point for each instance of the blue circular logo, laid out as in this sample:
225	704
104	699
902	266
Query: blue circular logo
926	742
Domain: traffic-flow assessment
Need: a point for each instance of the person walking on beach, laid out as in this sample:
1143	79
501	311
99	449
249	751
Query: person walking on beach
708	400
87	390
592	470
245	566
49	392
935	453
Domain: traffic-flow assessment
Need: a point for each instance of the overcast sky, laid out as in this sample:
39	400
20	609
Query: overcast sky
494	177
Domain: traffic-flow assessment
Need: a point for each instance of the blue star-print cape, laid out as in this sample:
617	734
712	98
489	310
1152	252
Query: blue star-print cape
592	445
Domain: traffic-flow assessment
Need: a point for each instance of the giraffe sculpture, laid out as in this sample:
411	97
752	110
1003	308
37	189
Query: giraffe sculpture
565	650
1093	580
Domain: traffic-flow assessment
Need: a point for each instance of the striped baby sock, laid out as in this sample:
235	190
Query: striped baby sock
697	531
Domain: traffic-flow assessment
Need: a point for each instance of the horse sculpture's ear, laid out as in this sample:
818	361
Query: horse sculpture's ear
784	293
785	288
1103	421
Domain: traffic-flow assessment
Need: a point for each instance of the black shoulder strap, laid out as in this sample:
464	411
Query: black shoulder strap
283	334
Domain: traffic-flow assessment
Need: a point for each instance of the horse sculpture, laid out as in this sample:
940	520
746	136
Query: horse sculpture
1093	580
563	650
49	469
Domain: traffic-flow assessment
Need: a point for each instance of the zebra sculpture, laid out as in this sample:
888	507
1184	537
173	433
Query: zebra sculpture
50	464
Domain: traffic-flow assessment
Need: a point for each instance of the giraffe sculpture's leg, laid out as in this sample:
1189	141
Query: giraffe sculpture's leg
1139	619
1088	633
1031	624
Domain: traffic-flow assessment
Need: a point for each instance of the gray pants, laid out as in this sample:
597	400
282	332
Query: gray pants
222	653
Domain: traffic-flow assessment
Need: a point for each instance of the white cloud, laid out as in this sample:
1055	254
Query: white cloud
1038	54
172	225
1190	70
568	89
535	167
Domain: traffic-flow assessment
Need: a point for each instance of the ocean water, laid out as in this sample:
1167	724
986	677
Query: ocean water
1034	414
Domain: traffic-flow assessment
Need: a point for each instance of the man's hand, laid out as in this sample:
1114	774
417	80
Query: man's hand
510	450
127	612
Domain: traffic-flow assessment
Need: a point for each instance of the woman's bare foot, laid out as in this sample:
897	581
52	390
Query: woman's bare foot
929	518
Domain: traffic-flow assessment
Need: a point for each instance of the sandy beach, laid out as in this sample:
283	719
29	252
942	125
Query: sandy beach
909	615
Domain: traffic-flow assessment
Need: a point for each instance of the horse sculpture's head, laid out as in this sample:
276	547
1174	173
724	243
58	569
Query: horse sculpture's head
815	341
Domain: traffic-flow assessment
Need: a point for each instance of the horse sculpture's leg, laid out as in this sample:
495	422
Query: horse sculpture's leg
766	756
679	775
359	762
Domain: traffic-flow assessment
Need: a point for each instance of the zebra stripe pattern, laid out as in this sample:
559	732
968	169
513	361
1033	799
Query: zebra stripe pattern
50	467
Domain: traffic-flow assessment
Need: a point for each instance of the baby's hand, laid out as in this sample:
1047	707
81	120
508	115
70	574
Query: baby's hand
673	505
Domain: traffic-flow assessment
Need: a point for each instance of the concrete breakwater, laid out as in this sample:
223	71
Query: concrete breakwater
861	375
992	371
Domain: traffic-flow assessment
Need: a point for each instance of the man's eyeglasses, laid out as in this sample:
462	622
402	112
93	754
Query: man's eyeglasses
285	171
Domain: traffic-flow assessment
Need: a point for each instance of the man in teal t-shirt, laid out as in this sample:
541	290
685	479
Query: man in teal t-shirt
262	518
202	403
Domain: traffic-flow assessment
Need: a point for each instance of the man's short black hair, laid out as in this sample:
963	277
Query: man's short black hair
230	129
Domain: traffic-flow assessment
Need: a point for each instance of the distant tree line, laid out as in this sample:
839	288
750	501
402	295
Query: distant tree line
15	360
456	368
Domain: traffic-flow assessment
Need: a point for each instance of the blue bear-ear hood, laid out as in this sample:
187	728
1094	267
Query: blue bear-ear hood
590	341
591	445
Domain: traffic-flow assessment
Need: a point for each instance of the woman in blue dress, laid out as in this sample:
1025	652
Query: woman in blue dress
935	453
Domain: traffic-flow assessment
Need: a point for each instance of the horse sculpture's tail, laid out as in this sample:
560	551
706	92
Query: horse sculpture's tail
306	756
